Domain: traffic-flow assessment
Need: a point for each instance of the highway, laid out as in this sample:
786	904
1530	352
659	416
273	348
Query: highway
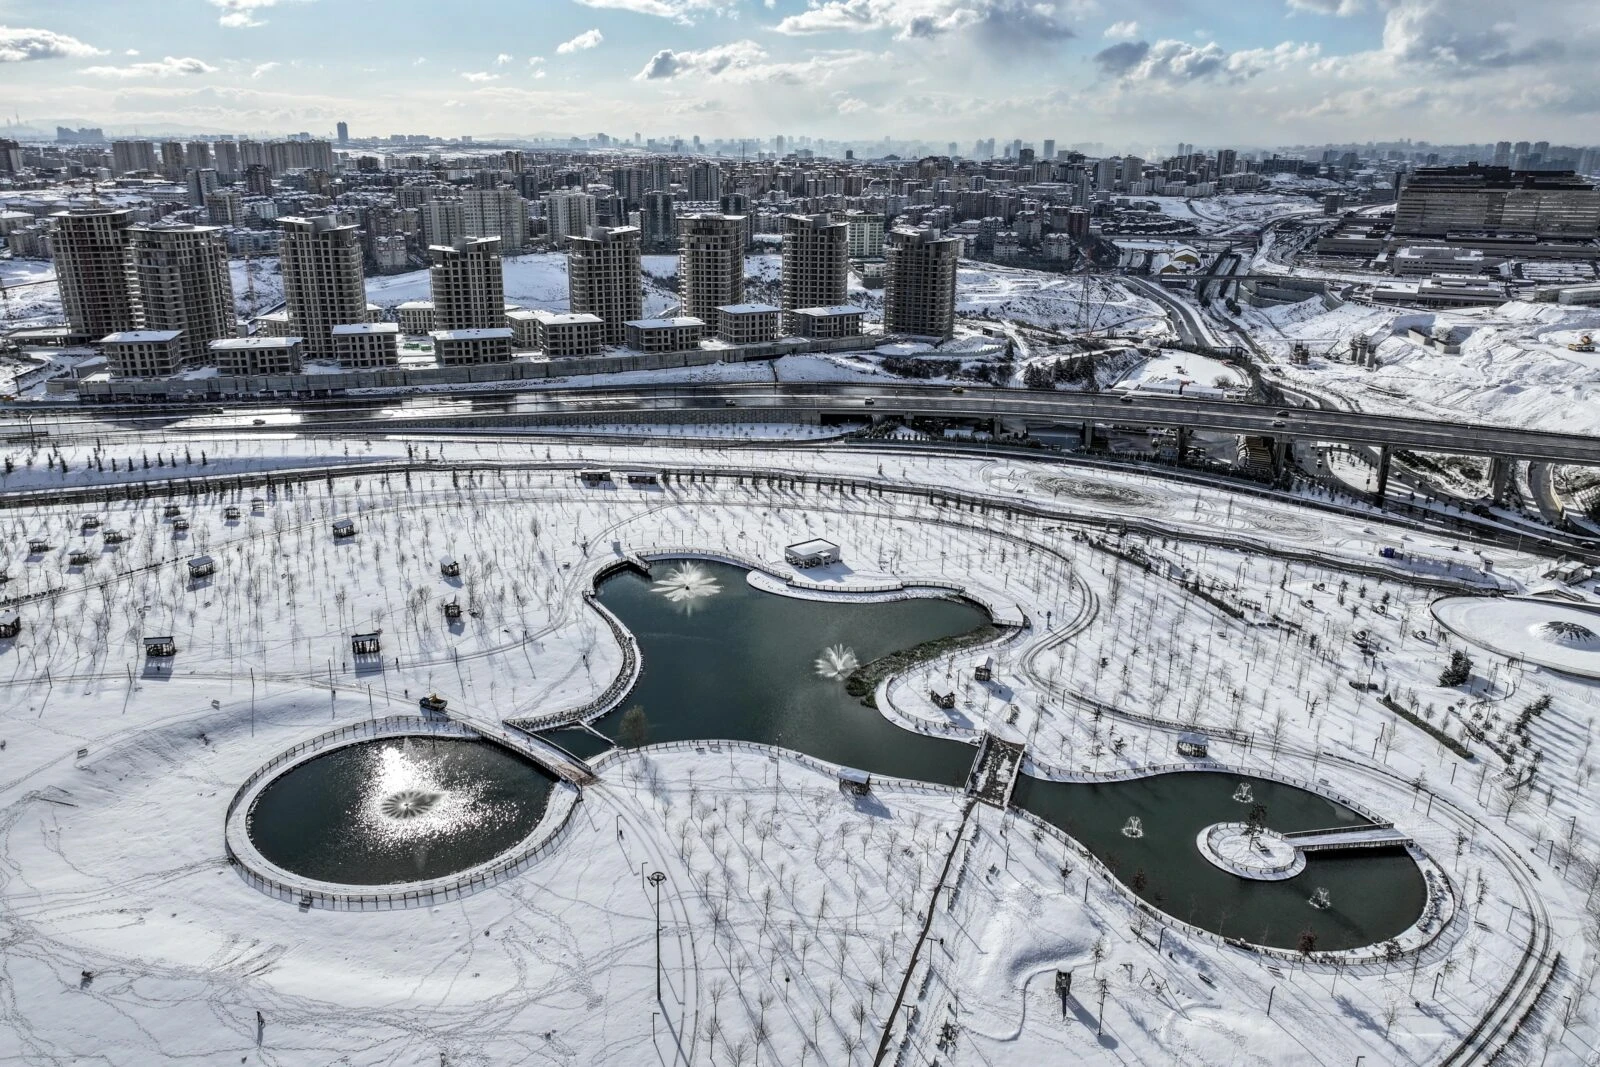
807	399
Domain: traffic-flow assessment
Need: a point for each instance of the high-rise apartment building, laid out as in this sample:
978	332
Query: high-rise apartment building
344	132
198	154
500	212
919	291
603	278
225	207
323	284
816	264
658	223
180	275
468	285
172	159
202	183
90	246
442	220
705	182
568	213
866	234
225	154
1049	148
129	156
710	263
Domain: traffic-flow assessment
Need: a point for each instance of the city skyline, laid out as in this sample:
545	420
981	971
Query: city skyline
1262	72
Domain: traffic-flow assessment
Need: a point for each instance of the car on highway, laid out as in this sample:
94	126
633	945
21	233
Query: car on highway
1127	398
958	390
1278	424
1282	414
869	401
258	422
729	403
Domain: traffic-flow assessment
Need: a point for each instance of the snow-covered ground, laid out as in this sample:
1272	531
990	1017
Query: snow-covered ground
1170	369
128	939
1514	367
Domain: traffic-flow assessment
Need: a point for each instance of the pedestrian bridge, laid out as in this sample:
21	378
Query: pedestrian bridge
1346	837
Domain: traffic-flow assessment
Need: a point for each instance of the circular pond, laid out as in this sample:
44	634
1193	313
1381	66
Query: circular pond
402	809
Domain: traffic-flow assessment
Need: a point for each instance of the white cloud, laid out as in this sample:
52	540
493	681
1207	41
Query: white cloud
538	74
480	76
502	59
682	11
535	61
240	14
19	45
1342	8
265	68
1174	62
1011	22
746	61
131	52
584	41
162	68
1122	31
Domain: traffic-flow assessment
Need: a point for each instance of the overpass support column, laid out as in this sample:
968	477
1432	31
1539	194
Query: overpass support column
1499	479
1382	487
1087	433
1182	439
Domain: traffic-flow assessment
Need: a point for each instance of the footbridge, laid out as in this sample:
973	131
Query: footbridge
1339	838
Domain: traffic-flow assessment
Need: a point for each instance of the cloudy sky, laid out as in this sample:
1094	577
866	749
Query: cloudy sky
1251	72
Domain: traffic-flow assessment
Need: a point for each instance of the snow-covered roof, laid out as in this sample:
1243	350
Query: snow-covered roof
812	547
234	344
564	318
747	309
135	337
831	312
482	333
365	327
415	305
663	324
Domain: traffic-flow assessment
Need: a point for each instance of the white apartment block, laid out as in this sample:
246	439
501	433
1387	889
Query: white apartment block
568	213
498	213
442	221
563	336
246	356
469	348
90	247
181	276
919	290
748	324
468	285
524	328
825	323
710	263
665	335
363	345
144	353
865	234
415	317
323	282
603	278
816	264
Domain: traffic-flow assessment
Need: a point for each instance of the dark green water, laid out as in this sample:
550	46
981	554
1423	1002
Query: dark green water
740	664
398	810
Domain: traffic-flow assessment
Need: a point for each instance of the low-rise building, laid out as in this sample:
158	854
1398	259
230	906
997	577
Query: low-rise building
841	320
144	353
470	348
415	317
361	345
274	324
1422	261
524	328
748	324
240	356
665	335
562	335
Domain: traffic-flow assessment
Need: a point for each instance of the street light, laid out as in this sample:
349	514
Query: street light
656	878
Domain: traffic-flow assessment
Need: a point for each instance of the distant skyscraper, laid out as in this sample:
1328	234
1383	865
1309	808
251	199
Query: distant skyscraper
180	274
658	222
129	156
499	212
1049	149
568	213
442	221
816	264
202	183
323	284
198	154
468	285
710	263
919	293
90	246
344	132
705	182
1502	154
603	278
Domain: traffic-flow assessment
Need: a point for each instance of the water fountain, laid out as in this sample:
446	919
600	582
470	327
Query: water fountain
1320	899
687	583
836	661
1243	794
1134	827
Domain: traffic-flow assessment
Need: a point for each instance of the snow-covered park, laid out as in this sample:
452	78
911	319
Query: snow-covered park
798	923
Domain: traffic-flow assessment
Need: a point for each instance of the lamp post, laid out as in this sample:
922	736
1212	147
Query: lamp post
656	878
